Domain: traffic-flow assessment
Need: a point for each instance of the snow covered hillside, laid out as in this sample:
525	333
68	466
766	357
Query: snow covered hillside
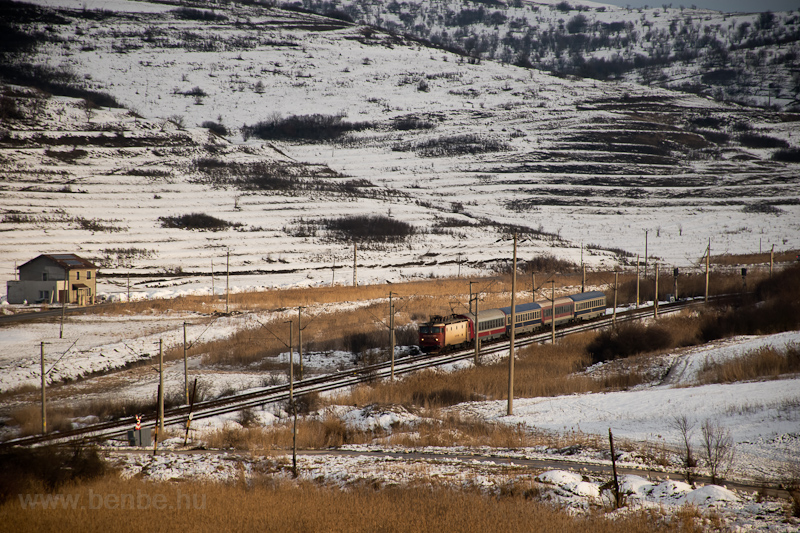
463	152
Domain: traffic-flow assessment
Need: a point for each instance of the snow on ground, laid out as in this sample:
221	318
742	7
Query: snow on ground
577	492
763	417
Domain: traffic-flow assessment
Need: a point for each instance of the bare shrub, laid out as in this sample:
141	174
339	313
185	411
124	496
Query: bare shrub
368	228
629	339
216	127
754	140
199	221
764	362
28	469
718	448
315	127
684	427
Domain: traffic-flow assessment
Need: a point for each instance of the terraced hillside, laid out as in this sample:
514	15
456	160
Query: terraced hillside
461	152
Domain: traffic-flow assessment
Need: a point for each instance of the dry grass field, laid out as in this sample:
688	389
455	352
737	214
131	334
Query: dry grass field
275	503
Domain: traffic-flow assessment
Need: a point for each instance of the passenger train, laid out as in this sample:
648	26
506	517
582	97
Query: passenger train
455	331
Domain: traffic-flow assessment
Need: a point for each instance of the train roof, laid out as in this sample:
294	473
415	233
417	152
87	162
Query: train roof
522	308
489	314
591	295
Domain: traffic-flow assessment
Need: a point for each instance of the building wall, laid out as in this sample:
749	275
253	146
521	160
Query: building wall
33	270
31	291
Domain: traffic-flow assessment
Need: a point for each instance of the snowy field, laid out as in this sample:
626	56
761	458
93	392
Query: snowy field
569	162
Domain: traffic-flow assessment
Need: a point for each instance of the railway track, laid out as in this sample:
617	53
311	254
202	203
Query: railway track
327	382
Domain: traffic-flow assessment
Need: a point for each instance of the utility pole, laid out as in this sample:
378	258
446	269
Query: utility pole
614	316
355	264
333	272
583	272
533	287
553	311
292	405
511	343
655	297
160	388
291	366
477	328
129	290
227	281
44	396
63	312
645	253
771	259
708	261
675	283
185	367
213	292
300	339
637	281
391	330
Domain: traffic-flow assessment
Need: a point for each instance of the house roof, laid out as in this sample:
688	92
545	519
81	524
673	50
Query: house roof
66	261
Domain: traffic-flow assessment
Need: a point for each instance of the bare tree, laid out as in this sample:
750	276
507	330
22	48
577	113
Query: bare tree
685	427
717	448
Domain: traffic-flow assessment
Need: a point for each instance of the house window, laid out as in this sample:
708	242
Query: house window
88	274
44	276
78	275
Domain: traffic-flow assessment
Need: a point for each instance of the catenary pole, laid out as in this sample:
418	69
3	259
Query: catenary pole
185	367
511	343
44	395
655	297
553	312
160	388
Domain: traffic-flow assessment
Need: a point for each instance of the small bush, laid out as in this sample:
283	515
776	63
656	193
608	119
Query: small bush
413	123
188	13
453	145
628	339
368	228
754	140
315	127
199	221
216	127
787	155
27	469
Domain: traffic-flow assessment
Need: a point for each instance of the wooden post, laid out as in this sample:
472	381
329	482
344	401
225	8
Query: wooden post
227	281
292	404
771	259
300	339
291	366
637	281
213	292
510	410
645	253
129	290
63	312
614	469
655	297
44	386
391	331
160	388
708	262
614	316
583	272
476	324
185	367
191	406
533	287
553	311
355	265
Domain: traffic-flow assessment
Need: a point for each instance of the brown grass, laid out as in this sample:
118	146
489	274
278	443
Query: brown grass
766	362
754	259
273	504
540	370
